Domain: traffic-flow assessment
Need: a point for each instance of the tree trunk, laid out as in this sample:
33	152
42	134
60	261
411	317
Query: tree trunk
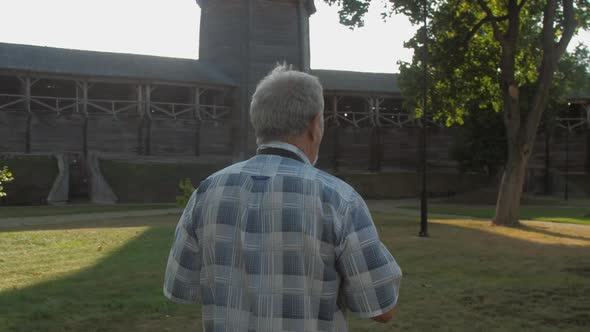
510	193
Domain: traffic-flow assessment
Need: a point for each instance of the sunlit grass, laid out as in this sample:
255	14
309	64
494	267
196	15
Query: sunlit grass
32	257
571	215
48	210
573	235
468	276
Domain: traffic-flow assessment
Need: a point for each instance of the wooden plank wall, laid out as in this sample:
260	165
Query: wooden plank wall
125	135
217	139
13	131
399	148
52	133
110	135
170	137
579	151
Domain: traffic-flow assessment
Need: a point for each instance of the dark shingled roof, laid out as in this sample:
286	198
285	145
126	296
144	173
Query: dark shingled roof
358	82
62	61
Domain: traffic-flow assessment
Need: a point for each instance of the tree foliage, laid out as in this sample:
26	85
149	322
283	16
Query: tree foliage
479	144
5	177
572	78
488	54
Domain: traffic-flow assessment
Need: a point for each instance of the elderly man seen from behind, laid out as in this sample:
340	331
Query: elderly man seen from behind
273	243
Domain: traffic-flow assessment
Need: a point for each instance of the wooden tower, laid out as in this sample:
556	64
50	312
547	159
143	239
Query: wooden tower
246	38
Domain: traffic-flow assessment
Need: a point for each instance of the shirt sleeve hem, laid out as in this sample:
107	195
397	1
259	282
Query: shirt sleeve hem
178	299
376	313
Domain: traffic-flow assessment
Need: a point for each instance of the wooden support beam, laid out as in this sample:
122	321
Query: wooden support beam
148	101
335	134
197	117
85	115
77	90
28	133
375	145
376	150
142	115
148	118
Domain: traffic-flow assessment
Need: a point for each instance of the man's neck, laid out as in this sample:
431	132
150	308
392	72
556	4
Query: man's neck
300	146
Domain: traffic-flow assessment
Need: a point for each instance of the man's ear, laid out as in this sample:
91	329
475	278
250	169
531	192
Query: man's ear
315	127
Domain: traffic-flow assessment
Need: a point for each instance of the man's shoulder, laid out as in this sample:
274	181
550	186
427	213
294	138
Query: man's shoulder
332	185
333	181
328	183
231	169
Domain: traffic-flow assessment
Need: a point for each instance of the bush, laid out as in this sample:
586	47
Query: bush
5	177
34	177
152	182
186	188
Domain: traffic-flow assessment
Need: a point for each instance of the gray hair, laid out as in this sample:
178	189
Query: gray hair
284	104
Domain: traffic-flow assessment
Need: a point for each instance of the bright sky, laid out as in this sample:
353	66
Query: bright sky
171	28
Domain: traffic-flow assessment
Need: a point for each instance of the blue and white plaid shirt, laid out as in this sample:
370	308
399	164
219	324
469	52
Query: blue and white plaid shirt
274	244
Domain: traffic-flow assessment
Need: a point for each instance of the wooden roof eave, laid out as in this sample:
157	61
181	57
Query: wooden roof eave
112	80
374	94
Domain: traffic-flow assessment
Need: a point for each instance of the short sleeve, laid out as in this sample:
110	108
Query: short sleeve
181	281
370	275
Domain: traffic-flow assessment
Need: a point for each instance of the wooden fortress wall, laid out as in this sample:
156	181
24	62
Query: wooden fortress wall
361	139
110	120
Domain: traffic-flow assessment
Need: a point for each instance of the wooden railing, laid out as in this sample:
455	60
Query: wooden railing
112	107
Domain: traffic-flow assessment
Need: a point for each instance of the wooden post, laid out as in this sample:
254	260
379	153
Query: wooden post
148	112
336	124
85	114
197	117
27	87
141	114
375	136
77	96
378	138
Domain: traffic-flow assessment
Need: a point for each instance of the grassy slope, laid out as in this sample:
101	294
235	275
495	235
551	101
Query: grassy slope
47	210
468	276
572	215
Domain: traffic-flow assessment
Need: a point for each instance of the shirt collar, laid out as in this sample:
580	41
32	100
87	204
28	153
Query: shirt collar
285	146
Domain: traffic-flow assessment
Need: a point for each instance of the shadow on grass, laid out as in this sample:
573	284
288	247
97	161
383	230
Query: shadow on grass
121	292
542	230
538	228
463	279
469	279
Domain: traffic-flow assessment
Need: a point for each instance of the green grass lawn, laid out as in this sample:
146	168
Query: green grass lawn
48	210
468	276
571	215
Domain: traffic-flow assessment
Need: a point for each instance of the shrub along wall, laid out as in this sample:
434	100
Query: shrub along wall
33	178
158	182
152	182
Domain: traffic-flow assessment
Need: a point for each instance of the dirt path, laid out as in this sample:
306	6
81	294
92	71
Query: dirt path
383	206
58	219
393	206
